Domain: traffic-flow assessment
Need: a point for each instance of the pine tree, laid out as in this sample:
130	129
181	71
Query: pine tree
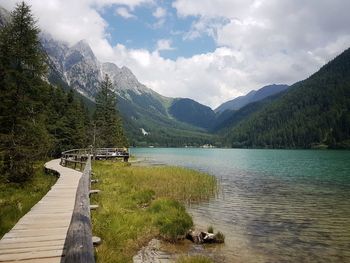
107	122
23	135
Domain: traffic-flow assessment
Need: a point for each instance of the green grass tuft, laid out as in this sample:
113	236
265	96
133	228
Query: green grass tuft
171	218
139	203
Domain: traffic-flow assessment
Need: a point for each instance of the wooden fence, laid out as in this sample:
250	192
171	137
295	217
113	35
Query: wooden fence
79	241
77	157
79	244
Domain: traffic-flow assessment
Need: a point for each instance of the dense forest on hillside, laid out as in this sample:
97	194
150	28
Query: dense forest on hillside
192	112
230	118
312	113
37	120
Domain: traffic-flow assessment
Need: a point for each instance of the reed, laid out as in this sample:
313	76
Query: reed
139	203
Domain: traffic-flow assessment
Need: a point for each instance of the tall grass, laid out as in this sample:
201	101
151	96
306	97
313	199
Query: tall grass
17	199
138	203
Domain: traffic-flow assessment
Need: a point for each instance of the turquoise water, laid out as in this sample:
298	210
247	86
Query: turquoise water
273	205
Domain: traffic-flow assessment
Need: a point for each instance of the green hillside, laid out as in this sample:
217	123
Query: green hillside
229	118
192	112
150	112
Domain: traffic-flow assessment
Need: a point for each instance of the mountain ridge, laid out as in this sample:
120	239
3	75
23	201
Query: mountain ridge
252	96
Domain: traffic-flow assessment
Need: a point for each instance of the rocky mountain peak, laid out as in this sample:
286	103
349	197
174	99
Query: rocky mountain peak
84	49
123	79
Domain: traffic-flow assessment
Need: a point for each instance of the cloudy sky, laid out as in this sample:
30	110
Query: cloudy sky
208	50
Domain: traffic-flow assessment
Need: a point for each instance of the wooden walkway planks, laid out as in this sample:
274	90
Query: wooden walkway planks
39	236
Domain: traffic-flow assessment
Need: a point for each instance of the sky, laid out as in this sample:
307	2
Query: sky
208	50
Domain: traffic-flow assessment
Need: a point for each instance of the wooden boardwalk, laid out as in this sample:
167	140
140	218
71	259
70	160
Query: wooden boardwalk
39	236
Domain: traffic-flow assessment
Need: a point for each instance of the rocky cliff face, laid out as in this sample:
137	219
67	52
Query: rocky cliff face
79	67
82	69
123	79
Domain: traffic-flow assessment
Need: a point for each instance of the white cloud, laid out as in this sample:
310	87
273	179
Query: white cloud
164	44
129	3
258	42
159	12
205	25
212	8
208	78
72	21
124	12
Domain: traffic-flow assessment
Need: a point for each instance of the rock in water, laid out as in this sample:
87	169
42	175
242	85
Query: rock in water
200	237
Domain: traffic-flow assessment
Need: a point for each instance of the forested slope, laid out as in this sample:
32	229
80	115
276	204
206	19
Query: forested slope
312	113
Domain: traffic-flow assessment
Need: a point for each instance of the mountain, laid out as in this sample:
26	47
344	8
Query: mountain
4	16
145	113
253	96
192	112
312	113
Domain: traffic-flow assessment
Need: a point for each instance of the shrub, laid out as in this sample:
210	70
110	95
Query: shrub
210	229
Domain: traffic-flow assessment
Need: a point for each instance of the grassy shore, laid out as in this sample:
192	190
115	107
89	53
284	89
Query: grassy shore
17	199
139	203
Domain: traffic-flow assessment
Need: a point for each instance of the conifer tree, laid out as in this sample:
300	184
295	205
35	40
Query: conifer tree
23	135
107	122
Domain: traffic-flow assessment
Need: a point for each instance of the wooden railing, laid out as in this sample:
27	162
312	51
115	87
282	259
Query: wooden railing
108	153
79	242
75	157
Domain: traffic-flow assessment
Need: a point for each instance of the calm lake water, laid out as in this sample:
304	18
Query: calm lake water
273	205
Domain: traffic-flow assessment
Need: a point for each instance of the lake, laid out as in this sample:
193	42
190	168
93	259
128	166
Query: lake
273	205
